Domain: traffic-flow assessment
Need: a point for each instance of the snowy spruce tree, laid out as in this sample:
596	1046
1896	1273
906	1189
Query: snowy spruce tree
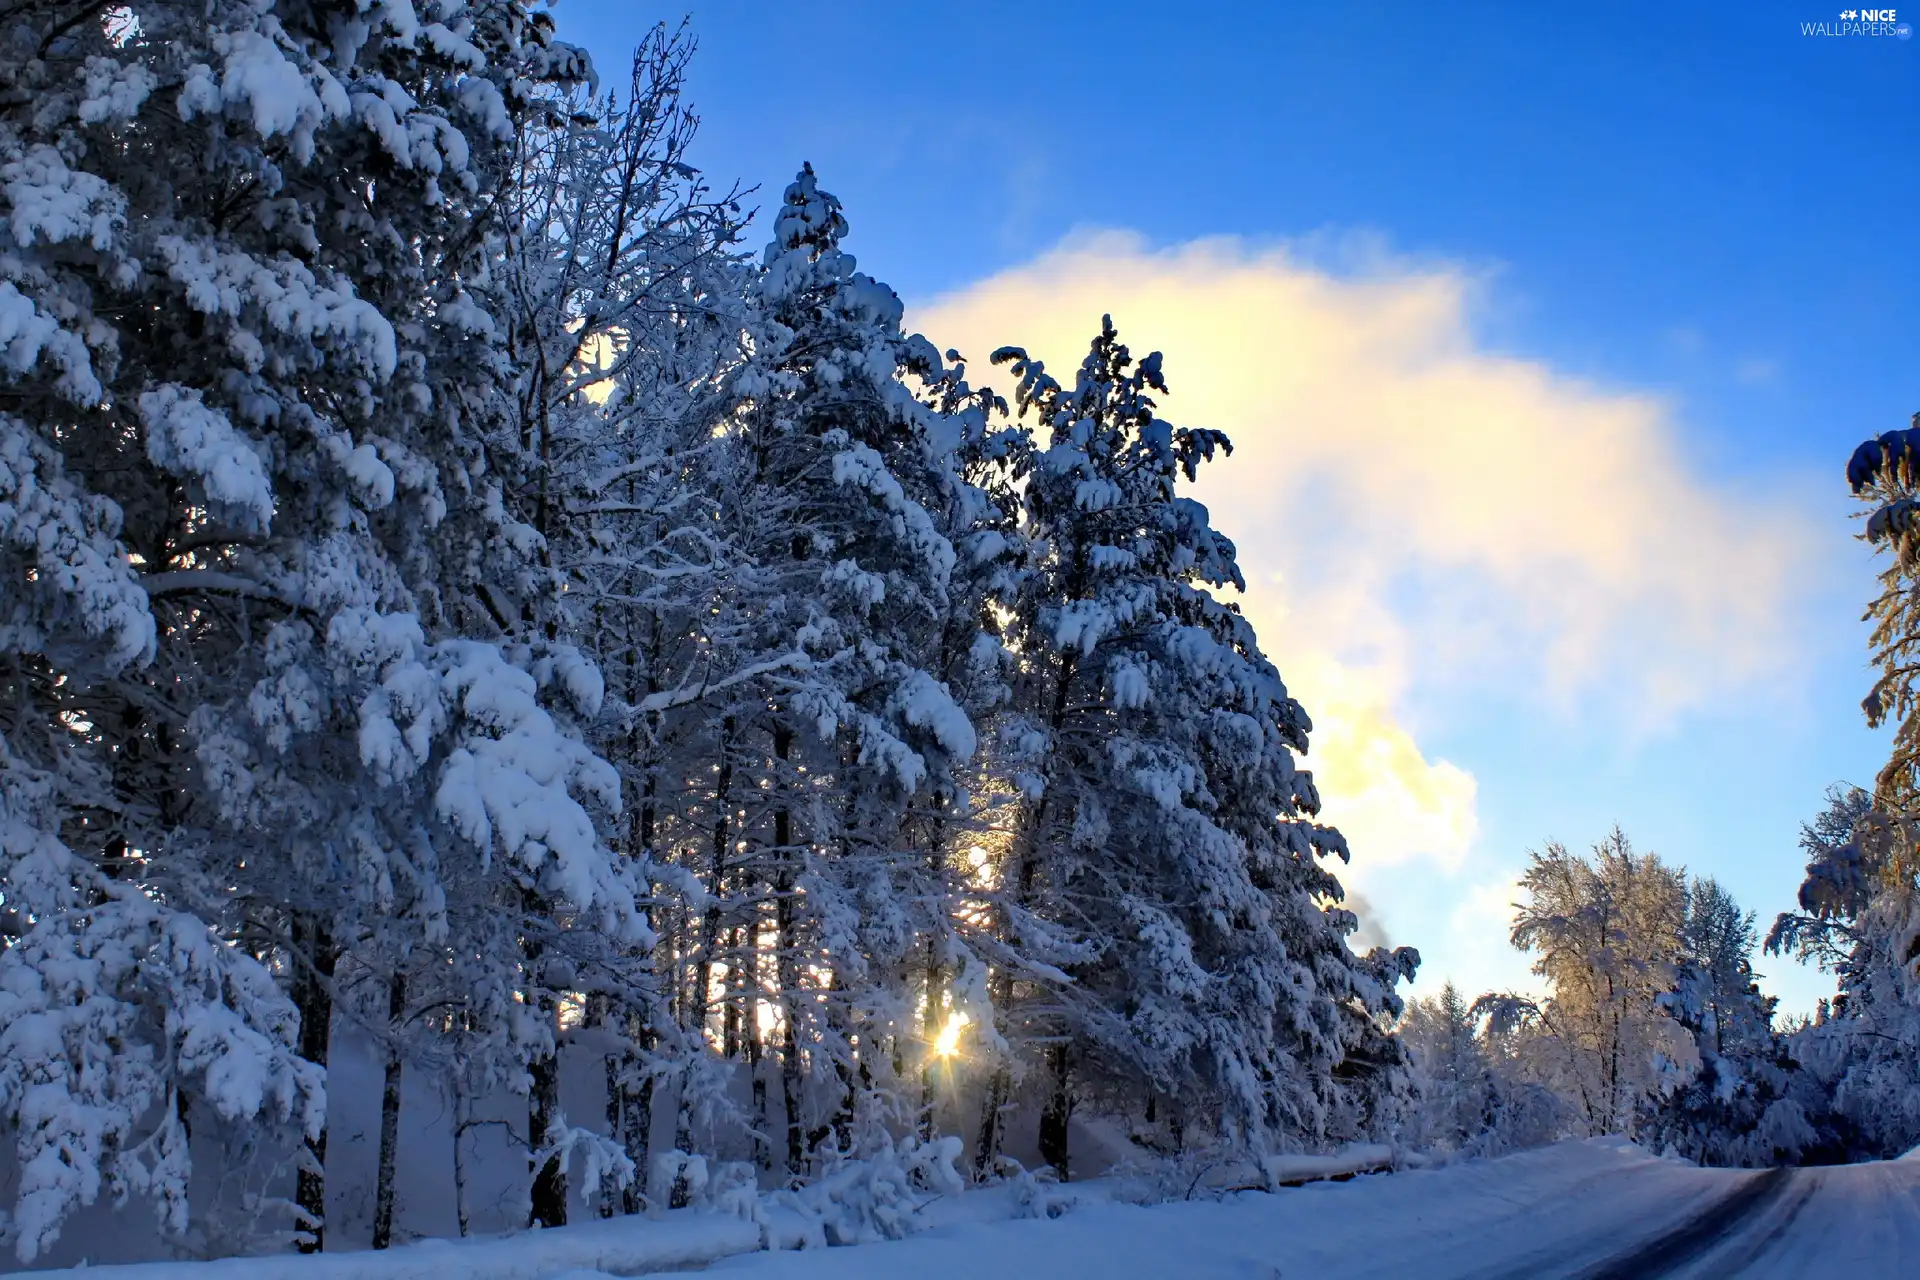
1732	1105
622	295
1172	932
1861	1054
1860	902
1453	1078
265	716
841	475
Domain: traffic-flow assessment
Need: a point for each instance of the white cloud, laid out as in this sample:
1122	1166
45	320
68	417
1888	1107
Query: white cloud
1474	942
1421	522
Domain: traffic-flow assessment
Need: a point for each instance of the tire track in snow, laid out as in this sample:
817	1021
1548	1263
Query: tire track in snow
1682	1244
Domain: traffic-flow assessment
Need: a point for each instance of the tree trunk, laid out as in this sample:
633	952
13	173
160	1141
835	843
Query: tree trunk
389	1113
762	1144
636	1105
600	1014
998	1088
736	991
679	1194
462	1121
1059	1109
788	972
315	955
549	1200
638	1132
930	1033
790	1097
549	1180
710	933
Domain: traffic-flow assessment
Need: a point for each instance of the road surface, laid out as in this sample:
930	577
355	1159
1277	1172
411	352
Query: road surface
1588	1210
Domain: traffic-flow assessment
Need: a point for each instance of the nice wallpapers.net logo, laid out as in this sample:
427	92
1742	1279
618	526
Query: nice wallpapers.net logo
1862	22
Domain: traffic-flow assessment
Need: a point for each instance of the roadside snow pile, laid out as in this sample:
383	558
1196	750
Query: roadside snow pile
1287	1171
620	1246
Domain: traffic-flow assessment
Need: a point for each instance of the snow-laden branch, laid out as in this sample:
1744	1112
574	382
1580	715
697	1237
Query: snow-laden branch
177	581
686	695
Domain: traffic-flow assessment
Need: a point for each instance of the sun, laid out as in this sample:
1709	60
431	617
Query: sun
947	1043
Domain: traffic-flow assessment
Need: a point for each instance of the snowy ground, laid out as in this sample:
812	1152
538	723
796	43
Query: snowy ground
1579	1209
1598	1210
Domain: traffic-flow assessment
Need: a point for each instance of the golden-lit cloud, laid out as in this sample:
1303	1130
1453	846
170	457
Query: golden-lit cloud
1422	522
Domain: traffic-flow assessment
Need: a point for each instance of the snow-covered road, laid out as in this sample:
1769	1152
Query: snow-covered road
1597	1210
1591	1210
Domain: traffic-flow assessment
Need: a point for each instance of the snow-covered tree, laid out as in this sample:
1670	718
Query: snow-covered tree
1605	932
1862	1055
262	715
1837	889
1450	1068
621	292
1860	904
1164	886
465	601
1730	1104
1884	474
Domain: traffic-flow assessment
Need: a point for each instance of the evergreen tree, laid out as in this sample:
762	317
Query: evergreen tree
829	644
1838	887
465	601
1733	1108
1861	899
1164	884
1451	1069
253	483
1862	1055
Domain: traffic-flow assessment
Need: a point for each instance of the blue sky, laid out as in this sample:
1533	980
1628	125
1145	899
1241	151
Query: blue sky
1689	206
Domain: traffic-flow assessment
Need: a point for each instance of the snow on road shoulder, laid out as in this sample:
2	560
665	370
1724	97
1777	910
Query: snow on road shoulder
1552	1211
1457	1221
634	1246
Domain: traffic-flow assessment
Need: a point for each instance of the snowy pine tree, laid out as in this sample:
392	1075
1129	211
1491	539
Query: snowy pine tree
1732	1108
1175	930
1451	1070
263	715
472	615
1861	898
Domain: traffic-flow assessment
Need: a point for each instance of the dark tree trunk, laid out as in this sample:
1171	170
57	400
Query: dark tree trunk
930	1033
762	1146
788	970
710	935
736	992
678	1195
549	1180
314	959
389	1113
999	1087
549	1208
635	1104
639	1144
1059	1109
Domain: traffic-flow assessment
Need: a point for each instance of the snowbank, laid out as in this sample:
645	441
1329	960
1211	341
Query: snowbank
619	1246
